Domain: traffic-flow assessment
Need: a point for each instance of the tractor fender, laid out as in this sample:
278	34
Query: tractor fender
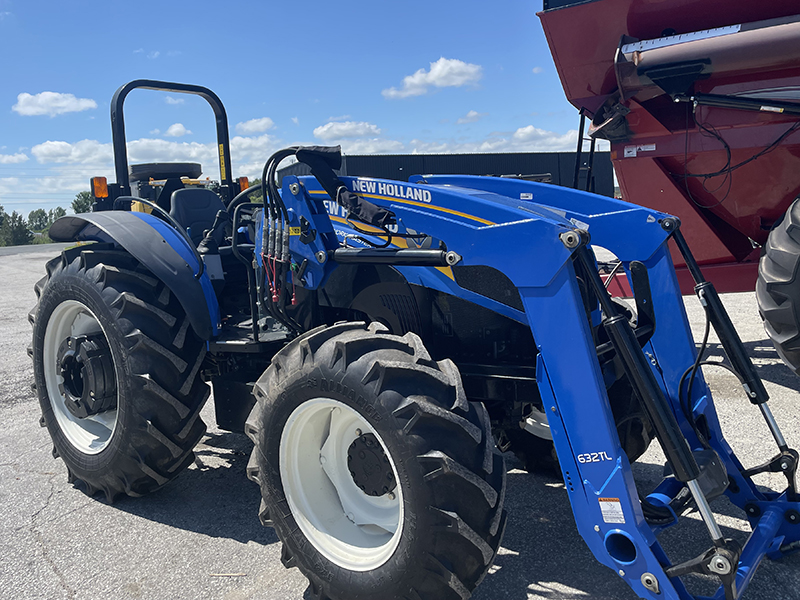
160	248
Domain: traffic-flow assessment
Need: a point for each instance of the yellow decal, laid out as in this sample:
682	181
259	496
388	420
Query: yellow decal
294	231
421	204
141	207
222	162
447	271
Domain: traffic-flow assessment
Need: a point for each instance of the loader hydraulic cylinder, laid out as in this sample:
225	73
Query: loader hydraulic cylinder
720	319
642	379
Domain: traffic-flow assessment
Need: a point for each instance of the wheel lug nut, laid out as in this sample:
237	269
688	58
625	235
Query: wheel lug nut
322	459
391	495
351	517
358	432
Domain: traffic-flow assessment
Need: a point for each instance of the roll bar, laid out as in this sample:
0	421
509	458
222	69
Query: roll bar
118	130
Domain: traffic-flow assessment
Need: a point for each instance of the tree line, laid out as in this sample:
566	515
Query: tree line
15	230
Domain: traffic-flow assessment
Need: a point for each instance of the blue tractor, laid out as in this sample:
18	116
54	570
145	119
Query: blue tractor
382	343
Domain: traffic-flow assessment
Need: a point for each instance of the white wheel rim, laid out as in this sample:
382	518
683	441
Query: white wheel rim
92	434
350	528
536	423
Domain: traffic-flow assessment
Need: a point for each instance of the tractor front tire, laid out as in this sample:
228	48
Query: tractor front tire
778	287
104	322
379	477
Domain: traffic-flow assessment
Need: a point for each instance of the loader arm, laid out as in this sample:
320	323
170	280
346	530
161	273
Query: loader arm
539	236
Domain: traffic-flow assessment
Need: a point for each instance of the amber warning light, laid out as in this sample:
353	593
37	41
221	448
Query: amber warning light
99	187
244	184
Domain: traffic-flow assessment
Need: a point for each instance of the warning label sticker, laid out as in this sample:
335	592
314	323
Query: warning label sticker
611	508
632	151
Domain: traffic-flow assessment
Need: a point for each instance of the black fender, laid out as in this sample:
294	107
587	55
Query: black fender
155	247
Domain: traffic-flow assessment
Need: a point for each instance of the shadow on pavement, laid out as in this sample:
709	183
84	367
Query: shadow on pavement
212	497
769	365
542	553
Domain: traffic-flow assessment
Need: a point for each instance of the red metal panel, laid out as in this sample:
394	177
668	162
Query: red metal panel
732	277
711	241
583	38
720	214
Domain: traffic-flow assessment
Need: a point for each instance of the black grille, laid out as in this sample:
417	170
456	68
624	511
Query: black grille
489	282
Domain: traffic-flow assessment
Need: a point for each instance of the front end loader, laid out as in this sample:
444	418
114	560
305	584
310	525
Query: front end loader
381	343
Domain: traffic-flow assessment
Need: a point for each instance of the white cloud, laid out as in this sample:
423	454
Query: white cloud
340	118
64	181
372	146
13	159
177	130
445	72
146	150
337	130
88	152
538	70
249	146
154	54
255	125
171	100
524	139
155	132
70	165
471	117
248	153
295	120
533	137
50	103
138	51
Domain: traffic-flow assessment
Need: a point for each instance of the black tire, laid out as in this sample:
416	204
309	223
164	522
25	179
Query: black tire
778	287
452	477
156	359
538	455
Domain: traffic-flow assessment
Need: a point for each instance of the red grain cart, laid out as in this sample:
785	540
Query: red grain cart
700	100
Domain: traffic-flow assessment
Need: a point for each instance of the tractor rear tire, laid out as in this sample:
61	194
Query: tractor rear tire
144	434
778	287
379	477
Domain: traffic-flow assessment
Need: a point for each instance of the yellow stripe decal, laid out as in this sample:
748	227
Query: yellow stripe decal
365	227
420	204
446	270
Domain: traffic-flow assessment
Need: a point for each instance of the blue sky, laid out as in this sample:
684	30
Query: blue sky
372	76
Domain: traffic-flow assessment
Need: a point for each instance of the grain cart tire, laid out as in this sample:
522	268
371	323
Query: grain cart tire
379	477
778	287
104	322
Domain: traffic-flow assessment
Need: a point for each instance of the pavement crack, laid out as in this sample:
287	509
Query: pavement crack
34	529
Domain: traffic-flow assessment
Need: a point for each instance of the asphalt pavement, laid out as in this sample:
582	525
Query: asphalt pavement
200	537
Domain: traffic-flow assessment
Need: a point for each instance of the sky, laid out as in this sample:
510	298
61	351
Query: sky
374	77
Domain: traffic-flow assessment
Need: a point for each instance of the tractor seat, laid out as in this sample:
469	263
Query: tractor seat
195	209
